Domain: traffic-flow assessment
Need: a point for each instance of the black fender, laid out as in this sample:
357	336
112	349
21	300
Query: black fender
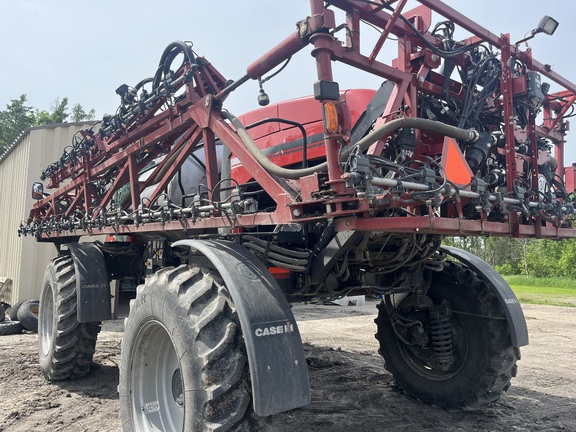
506	297
92	283
278	368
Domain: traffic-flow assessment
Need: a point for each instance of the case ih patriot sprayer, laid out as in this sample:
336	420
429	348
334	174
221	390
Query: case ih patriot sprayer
226	220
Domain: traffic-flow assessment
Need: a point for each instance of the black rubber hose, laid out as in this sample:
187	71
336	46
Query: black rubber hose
143	83
168	56
274	255
362	145
225	174
173	50
289	122
272	247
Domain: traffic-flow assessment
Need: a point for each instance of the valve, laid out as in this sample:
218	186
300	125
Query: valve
477	152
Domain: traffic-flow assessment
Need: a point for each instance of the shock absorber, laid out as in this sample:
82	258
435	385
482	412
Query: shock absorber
441	331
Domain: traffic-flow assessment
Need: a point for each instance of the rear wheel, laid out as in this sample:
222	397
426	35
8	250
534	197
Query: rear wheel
66	347
184	364
456	352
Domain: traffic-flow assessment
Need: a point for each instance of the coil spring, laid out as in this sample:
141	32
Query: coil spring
442	346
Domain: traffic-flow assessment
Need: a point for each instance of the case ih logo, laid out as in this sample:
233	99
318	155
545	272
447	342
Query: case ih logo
273	328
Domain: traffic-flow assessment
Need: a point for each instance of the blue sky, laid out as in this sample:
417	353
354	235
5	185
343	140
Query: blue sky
85	50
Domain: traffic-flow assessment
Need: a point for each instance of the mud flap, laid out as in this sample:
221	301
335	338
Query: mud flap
506	297
278	368
92	284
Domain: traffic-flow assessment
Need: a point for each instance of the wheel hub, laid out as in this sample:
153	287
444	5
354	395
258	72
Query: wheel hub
177	390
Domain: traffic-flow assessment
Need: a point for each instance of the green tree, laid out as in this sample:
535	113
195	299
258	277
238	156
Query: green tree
567	263
78	114
475	245
507	255
544	257
524	245
17	117
58	114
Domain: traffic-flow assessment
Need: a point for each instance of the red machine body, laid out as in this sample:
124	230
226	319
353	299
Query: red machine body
283	143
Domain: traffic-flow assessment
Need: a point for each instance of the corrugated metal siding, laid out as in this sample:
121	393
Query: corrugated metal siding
22	258
13	176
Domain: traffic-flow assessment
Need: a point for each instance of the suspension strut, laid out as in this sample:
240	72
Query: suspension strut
441	332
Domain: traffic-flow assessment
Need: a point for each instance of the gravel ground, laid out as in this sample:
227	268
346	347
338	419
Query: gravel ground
350	388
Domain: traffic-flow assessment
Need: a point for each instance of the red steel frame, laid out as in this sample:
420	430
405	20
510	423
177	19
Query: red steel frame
178	130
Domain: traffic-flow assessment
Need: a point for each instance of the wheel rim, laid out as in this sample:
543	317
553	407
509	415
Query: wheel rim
156	387
46	319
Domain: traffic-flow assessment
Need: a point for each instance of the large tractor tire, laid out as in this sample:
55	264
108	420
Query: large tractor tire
66	347
184	365
13	312
475	359
28	315
10	328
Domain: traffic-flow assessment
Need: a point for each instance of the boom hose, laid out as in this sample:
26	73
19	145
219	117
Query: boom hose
362	145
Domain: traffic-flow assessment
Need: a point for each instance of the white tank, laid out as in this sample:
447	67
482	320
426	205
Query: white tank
192	175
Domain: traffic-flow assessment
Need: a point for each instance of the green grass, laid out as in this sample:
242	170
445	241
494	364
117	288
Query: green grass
550	282
546	291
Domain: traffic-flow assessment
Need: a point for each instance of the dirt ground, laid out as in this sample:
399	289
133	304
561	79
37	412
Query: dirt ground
351	391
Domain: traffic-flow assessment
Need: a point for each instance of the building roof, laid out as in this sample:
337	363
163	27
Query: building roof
25	132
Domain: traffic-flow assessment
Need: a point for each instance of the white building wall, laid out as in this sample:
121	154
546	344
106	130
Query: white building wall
23	259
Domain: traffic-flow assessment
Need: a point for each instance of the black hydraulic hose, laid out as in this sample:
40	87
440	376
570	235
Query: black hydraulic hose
274	255
467	135
173	50
225	174
292	123
181	186
143	83
272	247
169	55
262	159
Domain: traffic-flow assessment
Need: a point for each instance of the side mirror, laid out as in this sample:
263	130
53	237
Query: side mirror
37	191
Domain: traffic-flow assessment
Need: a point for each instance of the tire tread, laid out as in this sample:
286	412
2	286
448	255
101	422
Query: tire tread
499	370
74	342
222	401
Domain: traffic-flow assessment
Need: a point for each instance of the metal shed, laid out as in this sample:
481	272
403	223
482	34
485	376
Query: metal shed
22	259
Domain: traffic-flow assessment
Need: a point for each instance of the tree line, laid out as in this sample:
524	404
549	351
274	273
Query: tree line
529	257
19	116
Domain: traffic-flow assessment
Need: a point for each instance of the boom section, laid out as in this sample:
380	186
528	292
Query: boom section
466	136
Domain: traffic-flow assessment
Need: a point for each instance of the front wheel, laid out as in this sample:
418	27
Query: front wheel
66	347
184	364
456	351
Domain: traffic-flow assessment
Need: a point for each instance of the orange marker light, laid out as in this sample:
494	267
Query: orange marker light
330	117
